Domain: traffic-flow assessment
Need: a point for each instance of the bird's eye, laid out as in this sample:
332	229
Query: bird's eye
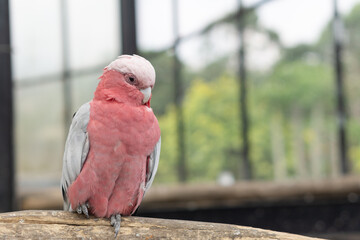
131	79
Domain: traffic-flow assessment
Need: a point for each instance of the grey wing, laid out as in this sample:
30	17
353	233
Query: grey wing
76	150
153	165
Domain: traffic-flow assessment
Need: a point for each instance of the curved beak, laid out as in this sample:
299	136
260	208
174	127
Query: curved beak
147	94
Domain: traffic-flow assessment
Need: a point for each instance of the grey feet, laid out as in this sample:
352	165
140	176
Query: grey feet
83	208
115	221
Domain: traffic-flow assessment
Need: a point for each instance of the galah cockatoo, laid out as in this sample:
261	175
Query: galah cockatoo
113	147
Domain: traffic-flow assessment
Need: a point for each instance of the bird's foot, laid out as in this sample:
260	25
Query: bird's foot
115	221
83	208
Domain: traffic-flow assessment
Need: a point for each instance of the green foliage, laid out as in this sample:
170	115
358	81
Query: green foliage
298	84
302	80
213	70
352	84
164	91
210	118
167	166
352	22
164	82
354	149
297	53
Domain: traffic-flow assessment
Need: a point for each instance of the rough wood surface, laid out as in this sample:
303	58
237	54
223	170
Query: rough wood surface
64	225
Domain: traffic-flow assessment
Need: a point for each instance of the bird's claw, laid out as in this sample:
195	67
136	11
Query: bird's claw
83	208
115	221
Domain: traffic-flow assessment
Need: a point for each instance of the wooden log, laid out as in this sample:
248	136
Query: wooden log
38	224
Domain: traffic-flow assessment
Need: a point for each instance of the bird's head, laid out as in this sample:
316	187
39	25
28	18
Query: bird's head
130	78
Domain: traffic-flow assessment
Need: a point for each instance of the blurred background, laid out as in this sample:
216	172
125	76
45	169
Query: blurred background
258	103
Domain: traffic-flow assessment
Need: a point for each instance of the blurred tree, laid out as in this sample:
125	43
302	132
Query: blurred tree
353	32
210	124
212	133
352	71
163	92
298	83
295	90
352	61
164	83
297	95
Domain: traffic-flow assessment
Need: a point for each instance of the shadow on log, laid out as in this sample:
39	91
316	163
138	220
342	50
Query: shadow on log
37	224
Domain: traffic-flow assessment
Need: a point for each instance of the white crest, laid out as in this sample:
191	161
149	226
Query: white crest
136	65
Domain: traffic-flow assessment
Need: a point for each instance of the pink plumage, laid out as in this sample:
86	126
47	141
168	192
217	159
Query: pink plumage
119	148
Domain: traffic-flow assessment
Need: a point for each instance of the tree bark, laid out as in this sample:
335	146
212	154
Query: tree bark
65	225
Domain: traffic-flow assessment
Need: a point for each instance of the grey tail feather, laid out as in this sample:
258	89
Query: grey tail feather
66	205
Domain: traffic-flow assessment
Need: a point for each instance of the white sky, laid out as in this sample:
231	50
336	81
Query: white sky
94	28
36	35
300	21
295	20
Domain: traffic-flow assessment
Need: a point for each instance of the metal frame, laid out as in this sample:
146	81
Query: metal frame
6	113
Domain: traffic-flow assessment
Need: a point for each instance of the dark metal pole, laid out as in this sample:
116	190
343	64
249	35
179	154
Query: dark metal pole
128	27
246	170
180	128
66	77
340	94
6	113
